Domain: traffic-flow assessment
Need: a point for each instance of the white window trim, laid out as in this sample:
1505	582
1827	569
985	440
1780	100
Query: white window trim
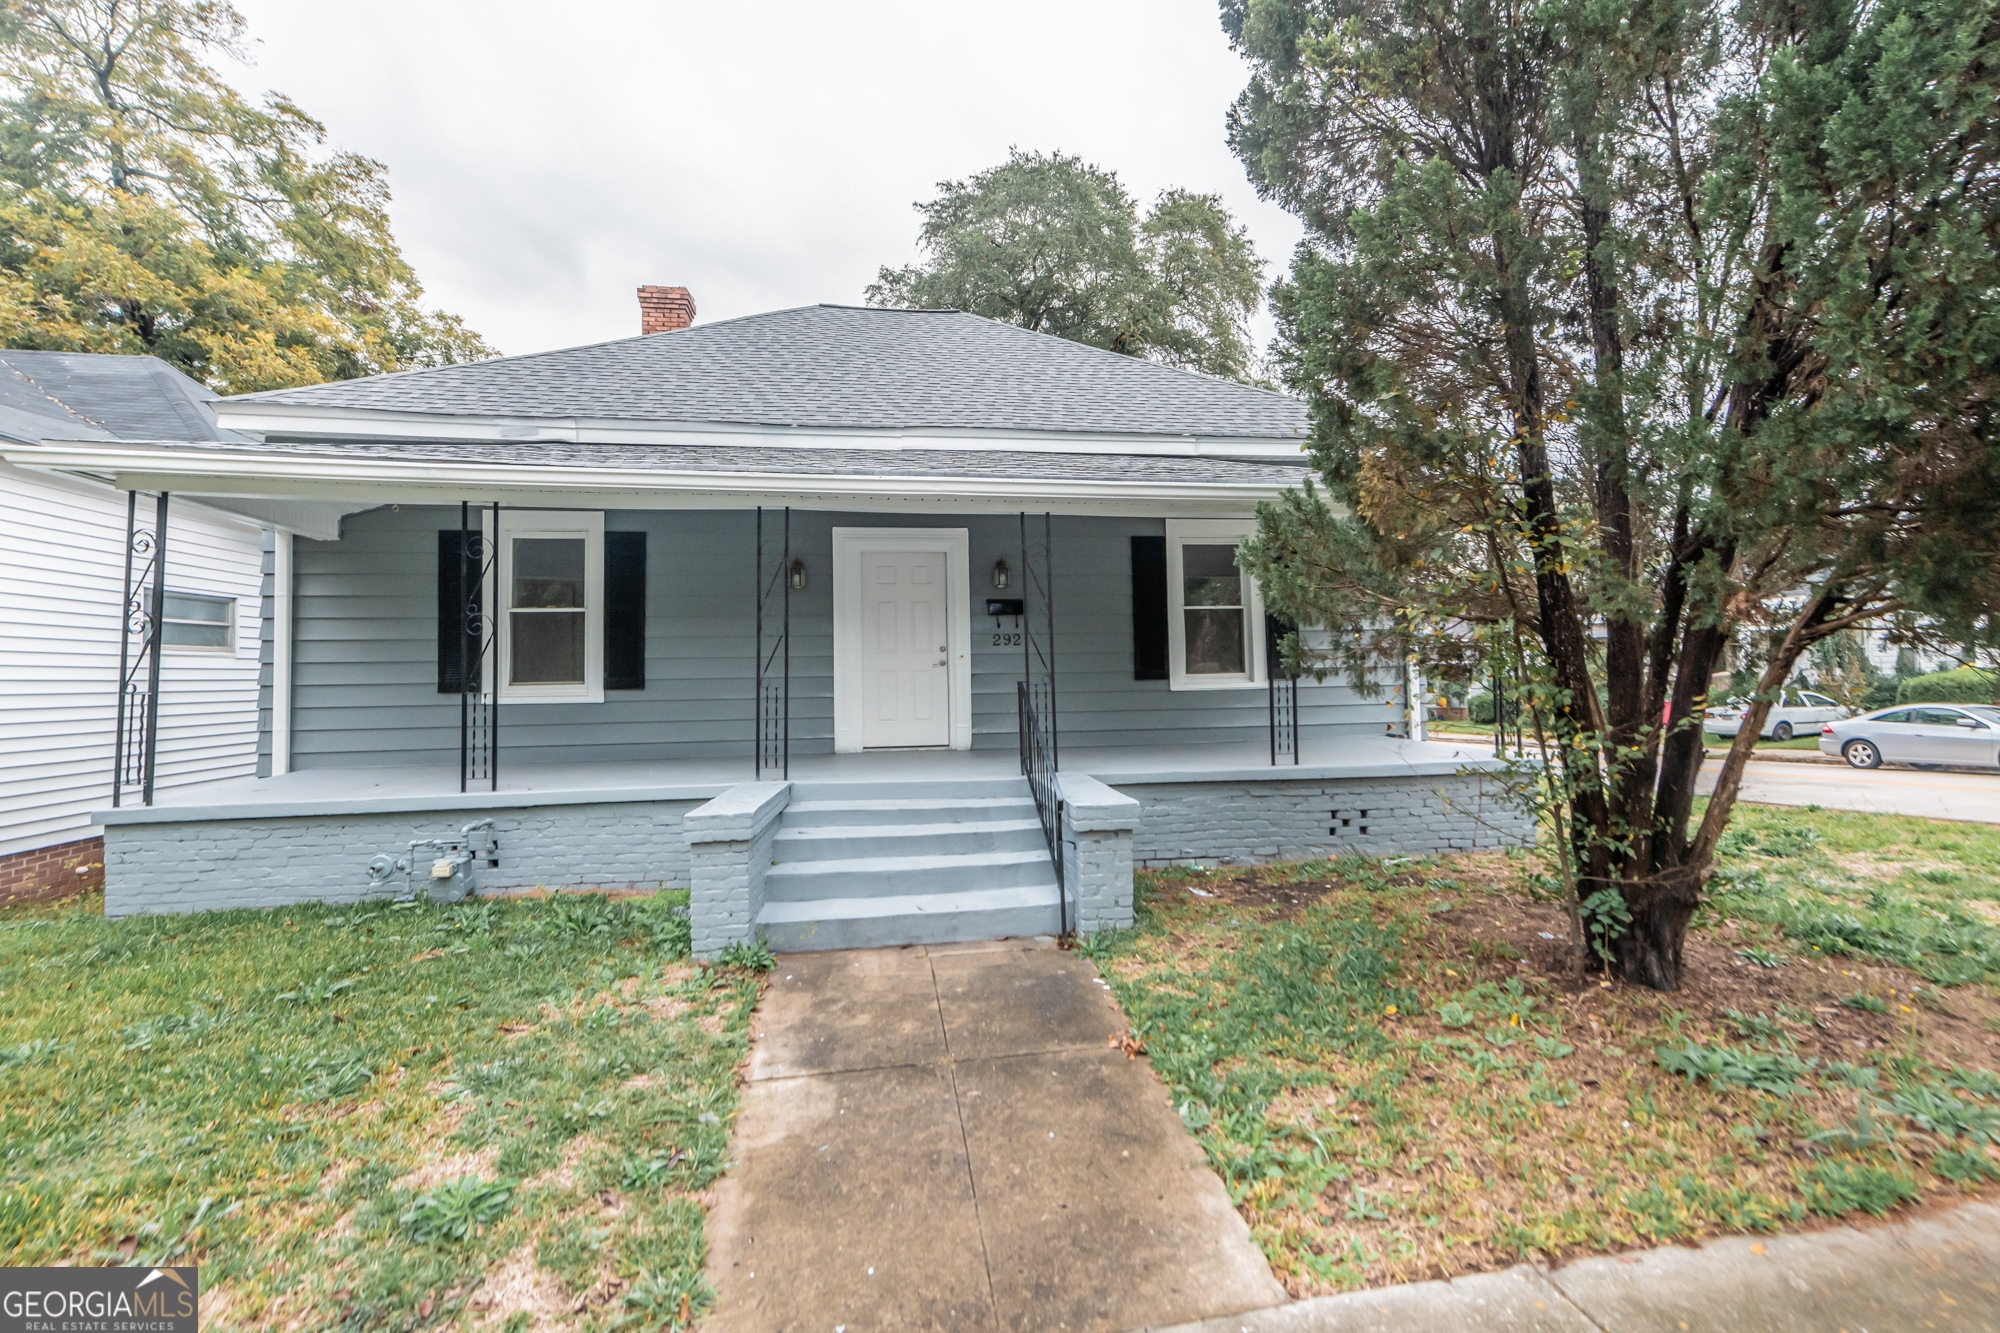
848	544
570	523
235	614
1209	532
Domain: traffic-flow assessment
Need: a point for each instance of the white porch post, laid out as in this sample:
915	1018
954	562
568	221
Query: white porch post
281	652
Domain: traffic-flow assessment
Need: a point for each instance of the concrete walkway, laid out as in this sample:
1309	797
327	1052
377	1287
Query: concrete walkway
944	1138
1939	1272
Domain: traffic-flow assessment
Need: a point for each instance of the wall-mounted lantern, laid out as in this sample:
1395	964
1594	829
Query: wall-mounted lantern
1000	574
798	575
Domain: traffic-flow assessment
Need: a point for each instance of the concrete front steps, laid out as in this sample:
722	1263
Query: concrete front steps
859	865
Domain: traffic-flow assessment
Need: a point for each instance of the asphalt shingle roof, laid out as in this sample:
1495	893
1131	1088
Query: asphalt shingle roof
802	462
836	366
93	395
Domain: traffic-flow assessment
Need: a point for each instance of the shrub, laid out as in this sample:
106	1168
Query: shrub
1480	708
1966	685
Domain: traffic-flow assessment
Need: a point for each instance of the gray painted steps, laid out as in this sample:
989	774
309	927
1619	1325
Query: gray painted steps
849	841
878	876
860	865
924	918
941	810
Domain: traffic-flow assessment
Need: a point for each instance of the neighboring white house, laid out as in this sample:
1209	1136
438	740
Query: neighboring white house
62	541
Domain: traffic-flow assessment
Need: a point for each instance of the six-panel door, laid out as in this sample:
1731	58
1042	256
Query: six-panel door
905	662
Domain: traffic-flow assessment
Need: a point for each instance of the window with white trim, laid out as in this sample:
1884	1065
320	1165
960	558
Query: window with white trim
195	622
1215	616
551	602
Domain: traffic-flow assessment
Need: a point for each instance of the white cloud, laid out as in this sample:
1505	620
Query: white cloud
548	159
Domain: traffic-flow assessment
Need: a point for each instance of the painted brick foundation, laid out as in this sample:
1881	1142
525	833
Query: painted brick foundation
52	872
201	865
1241	823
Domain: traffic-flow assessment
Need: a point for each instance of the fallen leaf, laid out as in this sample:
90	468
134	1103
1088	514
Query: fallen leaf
424	1308
129	1246
512	1029
342	1294
428	953
686	1315
1126	1042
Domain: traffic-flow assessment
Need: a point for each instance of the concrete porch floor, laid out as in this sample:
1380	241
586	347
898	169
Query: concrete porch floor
315	791
944	1138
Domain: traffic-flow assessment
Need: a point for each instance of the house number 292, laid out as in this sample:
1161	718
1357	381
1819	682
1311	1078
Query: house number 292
1007	640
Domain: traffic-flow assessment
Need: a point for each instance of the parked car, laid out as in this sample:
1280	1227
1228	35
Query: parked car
1796	711
1921	734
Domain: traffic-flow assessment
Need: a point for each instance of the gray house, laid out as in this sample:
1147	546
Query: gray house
870	626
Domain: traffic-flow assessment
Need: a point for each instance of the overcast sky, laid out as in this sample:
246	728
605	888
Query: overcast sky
547	159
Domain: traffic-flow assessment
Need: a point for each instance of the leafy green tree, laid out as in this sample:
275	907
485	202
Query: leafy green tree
1054	244
149	207
1627	329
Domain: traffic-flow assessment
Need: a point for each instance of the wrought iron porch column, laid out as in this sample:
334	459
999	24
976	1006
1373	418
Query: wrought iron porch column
158	624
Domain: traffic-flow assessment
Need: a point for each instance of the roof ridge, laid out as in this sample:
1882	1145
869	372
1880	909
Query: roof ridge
520	356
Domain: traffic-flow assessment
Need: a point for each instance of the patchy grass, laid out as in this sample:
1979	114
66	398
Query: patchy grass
1398	1074
500	1114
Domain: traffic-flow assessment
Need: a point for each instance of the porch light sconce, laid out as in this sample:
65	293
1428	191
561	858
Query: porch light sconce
1000	574
797	574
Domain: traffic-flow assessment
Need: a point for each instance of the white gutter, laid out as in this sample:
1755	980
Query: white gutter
194	470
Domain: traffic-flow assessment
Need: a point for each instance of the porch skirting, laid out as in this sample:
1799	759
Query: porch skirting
299	840
204	864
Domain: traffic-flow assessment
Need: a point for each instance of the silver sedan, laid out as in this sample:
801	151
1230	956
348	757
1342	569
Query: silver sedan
1926	735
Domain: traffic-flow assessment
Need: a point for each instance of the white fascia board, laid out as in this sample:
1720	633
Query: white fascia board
272	419
372	480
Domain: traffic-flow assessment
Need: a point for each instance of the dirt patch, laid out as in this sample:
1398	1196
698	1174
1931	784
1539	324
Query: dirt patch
517	1286
433	1174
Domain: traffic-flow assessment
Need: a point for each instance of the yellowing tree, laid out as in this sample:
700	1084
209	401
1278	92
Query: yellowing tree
146	206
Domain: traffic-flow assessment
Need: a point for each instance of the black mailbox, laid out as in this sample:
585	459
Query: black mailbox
1003	606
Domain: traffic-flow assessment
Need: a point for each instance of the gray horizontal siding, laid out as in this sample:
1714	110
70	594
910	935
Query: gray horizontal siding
366	649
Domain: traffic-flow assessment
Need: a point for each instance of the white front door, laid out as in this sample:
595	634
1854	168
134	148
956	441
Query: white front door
905	649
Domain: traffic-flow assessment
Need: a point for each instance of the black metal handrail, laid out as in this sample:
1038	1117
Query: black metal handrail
772	686
1038	766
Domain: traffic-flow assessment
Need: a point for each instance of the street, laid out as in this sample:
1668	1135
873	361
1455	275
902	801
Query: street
1894	791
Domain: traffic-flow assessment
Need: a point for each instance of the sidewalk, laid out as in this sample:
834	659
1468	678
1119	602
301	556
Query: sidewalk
1938	1272
946	1138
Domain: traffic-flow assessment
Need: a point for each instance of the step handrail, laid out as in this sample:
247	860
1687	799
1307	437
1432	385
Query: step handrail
1039	769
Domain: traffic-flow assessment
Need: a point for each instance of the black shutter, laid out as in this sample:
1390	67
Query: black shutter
624	610
453	621
1149	608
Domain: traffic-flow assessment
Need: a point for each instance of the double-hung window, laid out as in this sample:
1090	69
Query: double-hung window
551	603
1215	617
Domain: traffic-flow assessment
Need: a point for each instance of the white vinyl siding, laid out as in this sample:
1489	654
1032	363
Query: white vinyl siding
61	578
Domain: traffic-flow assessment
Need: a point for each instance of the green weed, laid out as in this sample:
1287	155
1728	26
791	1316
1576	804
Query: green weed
456	1210
1833	1189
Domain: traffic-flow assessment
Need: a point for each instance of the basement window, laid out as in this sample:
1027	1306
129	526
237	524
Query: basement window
1215	617
551	581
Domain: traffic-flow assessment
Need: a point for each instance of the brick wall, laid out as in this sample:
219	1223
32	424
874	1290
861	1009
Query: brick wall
664	309
200	865
52	872
1241	823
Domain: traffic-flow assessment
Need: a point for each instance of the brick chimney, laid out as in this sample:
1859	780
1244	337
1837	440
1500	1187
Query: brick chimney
664	308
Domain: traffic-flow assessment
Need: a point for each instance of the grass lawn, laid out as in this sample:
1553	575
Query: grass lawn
1398	1076
504	1113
